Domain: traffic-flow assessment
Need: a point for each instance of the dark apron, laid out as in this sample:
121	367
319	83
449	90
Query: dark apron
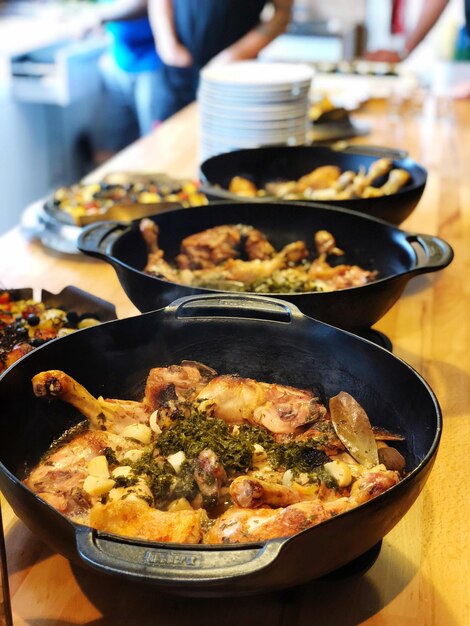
205	27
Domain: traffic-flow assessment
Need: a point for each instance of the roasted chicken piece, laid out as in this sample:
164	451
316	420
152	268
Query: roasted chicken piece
104	414
329	193
282	189
212	247
18	351
364	180
340	276
250	271
326	244
249	492
59	478
210	475
257	246
320	178
344	181
397	179
243	187
209	247
277	408
135	518
156	264
378	168
372	484
176	382
239	525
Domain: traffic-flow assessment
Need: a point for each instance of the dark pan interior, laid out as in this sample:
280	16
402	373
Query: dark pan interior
369	243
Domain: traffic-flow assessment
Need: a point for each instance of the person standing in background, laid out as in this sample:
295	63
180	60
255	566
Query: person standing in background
191	34
430	13
129	107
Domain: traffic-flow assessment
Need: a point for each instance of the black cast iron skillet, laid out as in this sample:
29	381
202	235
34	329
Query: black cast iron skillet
397	255
262	338
268	164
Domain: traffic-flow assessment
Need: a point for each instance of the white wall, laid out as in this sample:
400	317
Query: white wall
349	11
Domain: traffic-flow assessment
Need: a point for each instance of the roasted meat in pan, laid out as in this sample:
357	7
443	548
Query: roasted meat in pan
328	182
209	458
240	258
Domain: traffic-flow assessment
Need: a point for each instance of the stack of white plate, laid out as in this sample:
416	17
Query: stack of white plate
250	104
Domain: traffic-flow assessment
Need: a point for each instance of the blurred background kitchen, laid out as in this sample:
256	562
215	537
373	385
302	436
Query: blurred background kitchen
50	83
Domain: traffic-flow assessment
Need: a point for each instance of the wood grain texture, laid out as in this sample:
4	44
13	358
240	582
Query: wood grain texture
422	575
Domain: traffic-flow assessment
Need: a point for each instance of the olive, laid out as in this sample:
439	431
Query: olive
36	342
32	319
73	317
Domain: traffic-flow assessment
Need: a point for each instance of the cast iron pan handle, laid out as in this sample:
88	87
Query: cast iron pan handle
247	306
172	563
96	238
435	253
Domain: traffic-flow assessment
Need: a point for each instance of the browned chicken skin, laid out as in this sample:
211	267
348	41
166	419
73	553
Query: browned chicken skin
277	408
209	247
135	518
176	382
59	479
239	525
249	493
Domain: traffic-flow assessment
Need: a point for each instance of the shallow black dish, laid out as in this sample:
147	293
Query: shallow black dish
398	255
263	165
258	337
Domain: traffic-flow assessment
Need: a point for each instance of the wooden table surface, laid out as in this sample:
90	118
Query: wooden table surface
422	576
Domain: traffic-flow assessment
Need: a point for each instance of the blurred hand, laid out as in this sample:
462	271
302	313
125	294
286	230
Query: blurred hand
175	55
385	56
224	58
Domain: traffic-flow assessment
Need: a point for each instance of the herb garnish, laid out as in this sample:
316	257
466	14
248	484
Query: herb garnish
234	450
